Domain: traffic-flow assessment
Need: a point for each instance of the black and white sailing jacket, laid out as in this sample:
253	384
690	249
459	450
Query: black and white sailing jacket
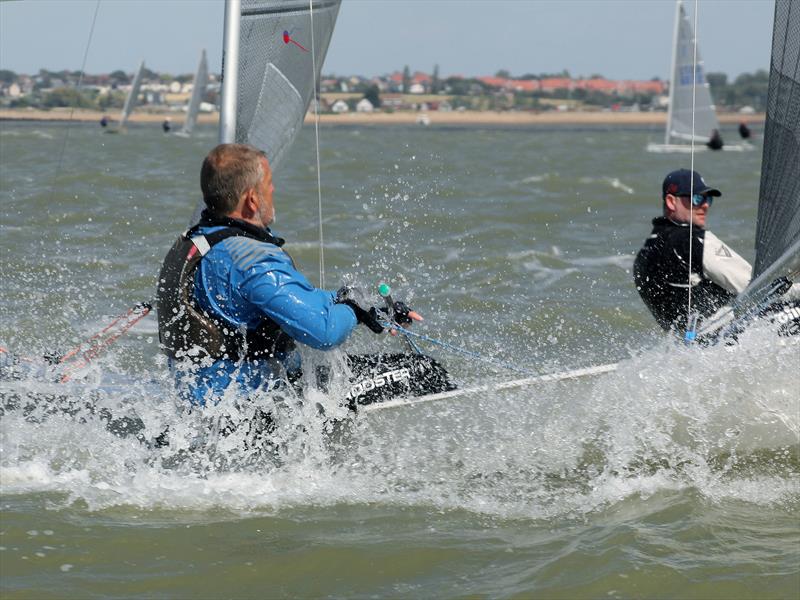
663	278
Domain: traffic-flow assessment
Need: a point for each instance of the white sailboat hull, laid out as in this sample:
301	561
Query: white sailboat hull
687	148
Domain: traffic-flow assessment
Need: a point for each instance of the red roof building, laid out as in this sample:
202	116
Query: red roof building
551	84
525	85
495	82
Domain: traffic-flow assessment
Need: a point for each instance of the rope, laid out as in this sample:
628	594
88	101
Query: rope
316	135
72	108
97	343
468	353
690	333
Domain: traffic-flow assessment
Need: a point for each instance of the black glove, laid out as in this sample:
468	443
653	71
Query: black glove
400	312
366	316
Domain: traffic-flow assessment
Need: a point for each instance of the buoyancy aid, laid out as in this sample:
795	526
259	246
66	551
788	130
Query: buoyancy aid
185	331
662	275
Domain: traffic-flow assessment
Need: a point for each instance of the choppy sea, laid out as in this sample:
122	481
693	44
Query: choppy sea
676	476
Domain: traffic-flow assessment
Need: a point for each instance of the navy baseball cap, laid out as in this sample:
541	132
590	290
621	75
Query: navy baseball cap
679	183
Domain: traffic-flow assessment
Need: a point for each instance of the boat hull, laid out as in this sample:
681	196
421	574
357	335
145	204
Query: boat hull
687	148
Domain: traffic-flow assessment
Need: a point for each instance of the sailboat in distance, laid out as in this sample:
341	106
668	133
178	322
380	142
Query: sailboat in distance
688	79
130	101
198	91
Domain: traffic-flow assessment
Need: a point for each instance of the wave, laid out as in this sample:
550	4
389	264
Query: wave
612	182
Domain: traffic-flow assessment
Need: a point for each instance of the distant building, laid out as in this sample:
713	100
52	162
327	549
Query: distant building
416	88
364	106
525	85
445	106
598	84
495	82
551	84
329	85
394	101
340	106
594	84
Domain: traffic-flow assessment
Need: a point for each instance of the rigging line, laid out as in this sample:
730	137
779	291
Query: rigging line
689	336
72	109
315	88
457	350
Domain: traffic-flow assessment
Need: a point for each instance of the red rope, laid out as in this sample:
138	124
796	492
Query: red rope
98	345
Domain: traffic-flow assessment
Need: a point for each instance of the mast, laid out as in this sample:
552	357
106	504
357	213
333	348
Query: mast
230	72
672	83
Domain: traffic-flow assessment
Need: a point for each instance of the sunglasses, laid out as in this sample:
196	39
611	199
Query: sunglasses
700	199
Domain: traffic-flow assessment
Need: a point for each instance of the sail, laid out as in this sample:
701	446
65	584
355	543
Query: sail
684	75
198	91
778	225
276	77
133	96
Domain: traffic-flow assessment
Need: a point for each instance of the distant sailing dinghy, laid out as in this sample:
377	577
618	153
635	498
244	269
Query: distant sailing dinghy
679	132
130	102
198	91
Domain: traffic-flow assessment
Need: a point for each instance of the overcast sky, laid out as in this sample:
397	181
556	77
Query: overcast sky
619	39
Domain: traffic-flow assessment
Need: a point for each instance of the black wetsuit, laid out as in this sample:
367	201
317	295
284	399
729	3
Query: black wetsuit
715	141
661	274
744	131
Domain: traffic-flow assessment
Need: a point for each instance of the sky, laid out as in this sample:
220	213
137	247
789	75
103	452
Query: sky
628	39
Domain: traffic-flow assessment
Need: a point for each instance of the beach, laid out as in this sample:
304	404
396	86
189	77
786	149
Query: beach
453	118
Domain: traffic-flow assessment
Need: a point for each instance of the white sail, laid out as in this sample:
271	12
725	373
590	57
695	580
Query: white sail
269	72
198	91
277	72
689	93
688	78
133	96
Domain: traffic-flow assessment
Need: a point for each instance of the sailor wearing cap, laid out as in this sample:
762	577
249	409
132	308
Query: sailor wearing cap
662	270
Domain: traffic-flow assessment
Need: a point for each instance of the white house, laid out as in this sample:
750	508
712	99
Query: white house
340	106
364	106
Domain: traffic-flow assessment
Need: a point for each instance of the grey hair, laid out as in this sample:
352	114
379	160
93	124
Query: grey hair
228	172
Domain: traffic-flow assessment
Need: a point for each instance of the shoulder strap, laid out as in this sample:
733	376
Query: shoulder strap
204	243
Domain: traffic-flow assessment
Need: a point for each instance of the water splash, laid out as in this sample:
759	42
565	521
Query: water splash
670	418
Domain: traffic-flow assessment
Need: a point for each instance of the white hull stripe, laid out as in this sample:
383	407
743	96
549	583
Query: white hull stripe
550	377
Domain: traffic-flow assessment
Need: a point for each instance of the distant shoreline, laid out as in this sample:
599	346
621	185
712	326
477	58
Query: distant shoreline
455	118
